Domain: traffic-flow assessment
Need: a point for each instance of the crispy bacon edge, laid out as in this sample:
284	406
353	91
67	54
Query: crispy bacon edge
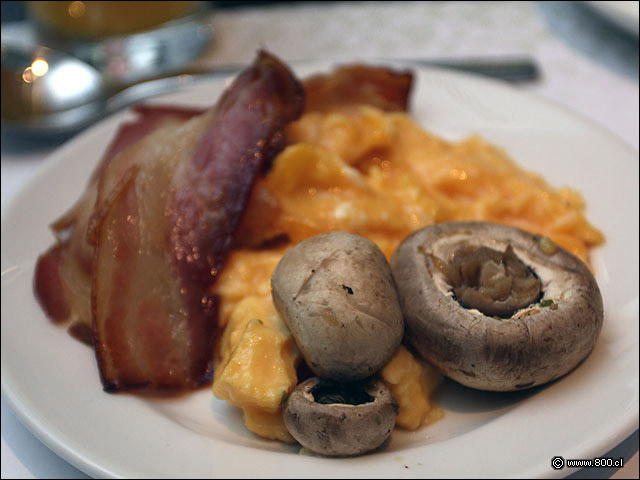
380	87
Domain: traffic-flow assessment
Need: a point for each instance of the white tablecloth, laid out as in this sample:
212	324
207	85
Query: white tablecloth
587	65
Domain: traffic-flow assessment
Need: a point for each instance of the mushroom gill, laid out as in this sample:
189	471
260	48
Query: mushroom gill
493	282
335	419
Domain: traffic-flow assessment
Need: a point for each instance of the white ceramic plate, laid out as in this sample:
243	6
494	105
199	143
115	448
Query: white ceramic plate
624	14
52	382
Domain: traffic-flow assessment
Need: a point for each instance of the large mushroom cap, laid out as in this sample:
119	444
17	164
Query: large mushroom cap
340	420
495	307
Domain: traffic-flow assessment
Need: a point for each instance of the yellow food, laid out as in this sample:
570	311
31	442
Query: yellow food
407	179
260	371
256	358
379	175
412	383
267	425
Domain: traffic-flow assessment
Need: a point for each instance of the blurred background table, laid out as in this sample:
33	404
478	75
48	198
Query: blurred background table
588	58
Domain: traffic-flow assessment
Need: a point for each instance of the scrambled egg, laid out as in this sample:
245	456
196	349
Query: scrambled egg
256	359
381	176
412	382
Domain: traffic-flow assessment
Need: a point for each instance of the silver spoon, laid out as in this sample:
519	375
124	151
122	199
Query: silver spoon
48	92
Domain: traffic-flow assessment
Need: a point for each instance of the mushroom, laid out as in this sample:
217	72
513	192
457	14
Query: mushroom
336	293
494	307
339	420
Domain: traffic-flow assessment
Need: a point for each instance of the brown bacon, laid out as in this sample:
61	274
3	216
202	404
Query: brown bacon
352	84
48	283
62	278
150	117
166	213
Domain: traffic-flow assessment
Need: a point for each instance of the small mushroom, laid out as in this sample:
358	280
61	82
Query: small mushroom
336	293
494	307
339	420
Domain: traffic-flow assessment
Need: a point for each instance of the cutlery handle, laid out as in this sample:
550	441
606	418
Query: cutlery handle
123	95
508	69
513	70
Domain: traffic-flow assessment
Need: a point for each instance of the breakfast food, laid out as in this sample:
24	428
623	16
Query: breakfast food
165	263
315	176
382	88
63	274
337	296
360	169
338	420
495	307
171	205
161	223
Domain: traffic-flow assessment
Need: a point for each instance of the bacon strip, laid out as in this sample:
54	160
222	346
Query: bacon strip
166	213
48	283
353	84
62	278
150	117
